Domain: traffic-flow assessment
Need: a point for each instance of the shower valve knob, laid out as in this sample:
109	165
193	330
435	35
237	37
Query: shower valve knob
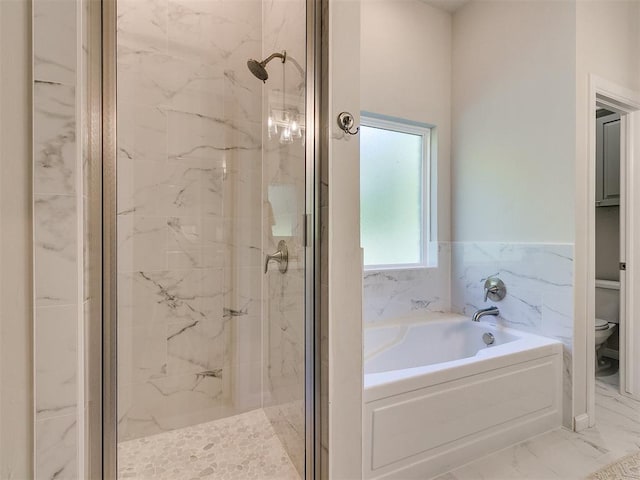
281	257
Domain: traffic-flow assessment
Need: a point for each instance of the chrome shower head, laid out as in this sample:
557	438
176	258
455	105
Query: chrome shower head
258	69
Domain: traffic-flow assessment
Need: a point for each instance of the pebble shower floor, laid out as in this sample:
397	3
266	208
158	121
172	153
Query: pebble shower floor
240	447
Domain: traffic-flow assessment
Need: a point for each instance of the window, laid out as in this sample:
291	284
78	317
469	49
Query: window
394	193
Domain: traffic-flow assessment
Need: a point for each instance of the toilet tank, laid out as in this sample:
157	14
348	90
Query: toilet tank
608	300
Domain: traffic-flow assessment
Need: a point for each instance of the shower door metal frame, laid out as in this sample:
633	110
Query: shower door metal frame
312	238
109	242
108	140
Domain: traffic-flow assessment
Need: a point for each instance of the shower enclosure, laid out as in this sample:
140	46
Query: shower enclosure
209	234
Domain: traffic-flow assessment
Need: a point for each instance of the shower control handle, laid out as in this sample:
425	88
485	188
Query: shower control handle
281	256
494	289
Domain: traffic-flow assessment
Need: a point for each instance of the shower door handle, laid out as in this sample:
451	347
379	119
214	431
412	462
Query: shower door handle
281	257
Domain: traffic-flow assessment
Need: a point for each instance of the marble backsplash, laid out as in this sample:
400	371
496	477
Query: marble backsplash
391	293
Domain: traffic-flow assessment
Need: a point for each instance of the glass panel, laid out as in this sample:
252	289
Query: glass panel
391	196
211	176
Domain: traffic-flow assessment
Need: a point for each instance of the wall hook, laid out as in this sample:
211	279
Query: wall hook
346	122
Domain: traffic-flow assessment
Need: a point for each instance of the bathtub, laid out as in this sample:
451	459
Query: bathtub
437	396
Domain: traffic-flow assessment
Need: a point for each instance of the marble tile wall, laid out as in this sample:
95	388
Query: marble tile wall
389	294
58	239
189	212
284	29
539	281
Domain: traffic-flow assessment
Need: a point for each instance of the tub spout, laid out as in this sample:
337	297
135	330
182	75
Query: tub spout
485	311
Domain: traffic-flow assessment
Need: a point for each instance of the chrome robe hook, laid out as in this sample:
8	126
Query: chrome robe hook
346	122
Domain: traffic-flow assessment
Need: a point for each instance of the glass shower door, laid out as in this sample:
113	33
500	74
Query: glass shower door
210	181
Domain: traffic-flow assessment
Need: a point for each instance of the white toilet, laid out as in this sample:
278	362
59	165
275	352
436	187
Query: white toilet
604	330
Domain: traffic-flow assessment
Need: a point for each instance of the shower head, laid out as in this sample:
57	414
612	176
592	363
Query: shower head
258	69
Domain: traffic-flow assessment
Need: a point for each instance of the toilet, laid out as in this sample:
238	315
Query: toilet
604	330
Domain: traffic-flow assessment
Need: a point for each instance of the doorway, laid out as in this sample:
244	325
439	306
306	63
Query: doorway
614	135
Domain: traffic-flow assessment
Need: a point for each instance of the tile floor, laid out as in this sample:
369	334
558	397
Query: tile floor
566	455
244	446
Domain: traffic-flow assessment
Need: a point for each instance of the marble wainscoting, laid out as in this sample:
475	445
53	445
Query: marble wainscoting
539	281
389	294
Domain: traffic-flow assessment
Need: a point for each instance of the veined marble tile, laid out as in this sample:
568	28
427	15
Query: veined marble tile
142	24
142	132
389	294
157	79
55	239
185	242
56	448
149	352
54	137
54	41
199	137
198	346
56	360
142	243
167	403
538	277
142	76
194	30
247	291
175	296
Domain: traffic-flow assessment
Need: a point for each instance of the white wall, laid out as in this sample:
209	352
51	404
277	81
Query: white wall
513	118
405	72
16	366
342	287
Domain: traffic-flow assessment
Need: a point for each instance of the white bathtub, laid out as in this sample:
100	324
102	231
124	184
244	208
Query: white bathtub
436	396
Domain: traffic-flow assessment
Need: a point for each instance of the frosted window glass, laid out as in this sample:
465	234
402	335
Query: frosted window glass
391	196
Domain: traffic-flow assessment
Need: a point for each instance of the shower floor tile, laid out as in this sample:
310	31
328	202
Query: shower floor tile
240	447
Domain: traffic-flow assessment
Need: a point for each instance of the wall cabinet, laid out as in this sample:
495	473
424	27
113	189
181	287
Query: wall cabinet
608	160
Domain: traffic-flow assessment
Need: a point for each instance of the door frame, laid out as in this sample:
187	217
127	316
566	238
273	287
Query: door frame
627	103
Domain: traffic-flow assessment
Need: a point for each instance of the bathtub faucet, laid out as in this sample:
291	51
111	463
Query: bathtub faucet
485	311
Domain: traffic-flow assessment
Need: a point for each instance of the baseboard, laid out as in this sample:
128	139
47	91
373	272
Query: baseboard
581	422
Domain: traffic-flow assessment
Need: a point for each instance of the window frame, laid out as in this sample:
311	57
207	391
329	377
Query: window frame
428	254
